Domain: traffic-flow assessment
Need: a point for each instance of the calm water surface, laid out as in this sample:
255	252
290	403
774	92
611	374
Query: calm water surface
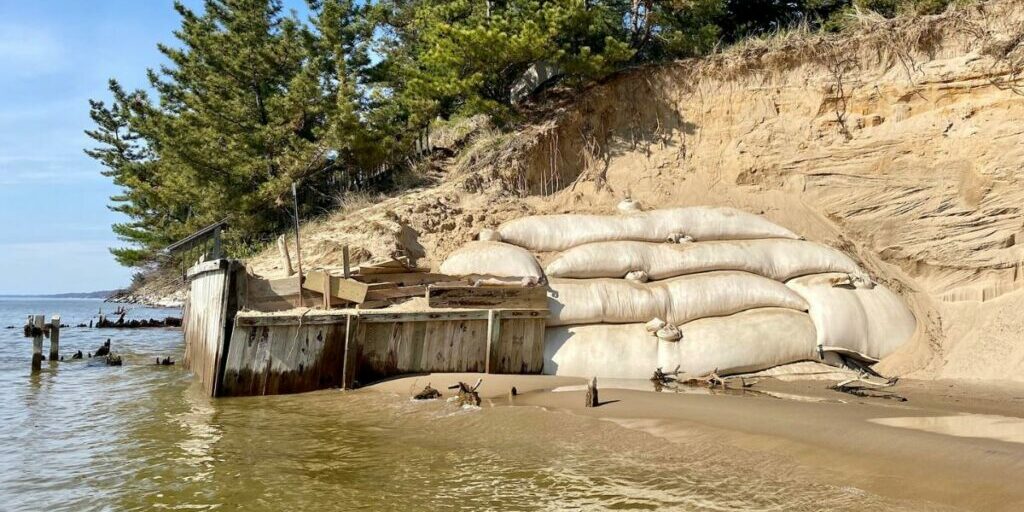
80	436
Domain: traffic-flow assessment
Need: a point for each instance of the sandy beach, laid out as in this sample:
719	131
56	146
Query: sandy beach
957	444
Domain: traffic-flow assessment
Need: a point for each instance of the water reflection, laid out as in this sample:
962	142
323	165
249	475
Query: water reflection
1000	428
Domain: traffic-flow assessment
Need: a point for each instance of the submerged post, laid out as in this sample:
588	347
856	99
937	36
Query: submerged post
55	338
37	342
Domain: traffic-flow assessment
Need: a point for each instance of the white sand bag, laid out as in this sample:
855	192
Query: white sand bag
637	276
654	325
489	235
777	259
748	341
669	333
677	300
745	342
612	351
561	232
492	259
867	322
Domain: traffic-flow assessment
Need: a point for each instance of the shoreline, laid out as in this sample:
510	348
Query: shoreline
838	438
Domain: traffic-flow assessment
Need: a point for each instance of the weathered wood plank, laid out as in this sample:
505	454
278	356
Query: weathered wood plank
398	292
207	266
244	320
404	278
504	297
340	288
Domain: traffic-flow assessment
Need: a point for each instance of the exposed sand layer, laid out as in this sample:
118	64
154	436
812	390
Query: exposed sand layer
893	449
901	145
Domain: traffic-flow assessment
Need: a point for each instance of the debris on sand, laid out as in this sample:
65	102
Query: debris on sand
428	393
865	388
467	395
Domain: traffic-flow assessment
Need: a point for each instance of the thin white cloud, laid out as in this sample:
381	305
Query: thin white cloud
21	171
28	51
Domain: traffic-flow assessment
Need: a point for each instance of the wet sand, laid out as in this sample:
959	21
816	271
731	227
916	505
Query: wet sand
951	443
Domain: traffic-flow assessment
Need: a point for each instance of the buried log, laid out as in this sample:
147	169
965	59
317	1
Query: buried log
167	361
428	393
466	395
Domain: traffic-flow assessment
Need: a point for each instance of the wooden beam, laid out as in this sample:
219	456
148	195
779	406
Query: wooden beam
366	271
404	278
398	292
499	297
383	316
242	320
339	288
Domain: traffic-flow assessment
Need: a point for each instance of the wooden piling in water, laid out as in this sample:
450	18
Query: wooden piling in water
55	338
37	342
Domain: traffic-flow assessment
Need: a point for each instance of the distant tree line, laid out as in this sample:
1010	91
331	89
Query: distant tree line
253	98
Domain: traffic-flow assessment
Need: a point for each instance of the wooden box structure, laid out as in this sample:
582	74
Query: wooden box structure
244	337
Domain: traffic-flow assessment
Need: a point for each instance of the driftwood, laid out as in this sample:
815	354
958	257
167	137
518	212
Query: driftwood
428	393
167	361
113	360
467	395
862	387
671	380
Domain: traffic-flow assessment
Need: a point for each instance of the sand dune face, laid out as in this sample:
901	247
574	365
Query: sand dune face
902	146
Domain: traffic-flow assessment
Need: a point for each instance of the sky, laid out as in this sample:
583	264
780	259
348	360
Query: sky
54	56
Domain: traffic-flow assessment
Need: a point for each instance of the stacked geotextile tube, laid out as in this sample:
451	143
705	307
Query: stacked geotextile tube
701	288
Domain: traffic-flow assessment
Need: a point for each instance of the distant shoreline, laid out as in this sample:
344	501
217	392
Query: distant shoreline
102	295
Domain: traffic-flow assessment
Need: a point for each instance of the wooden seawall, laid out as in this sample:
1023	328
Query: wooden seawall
263	353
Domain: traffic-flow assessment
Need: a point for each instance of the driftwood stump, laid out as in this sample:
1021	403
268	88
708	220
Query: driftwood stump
428	393
592	399
467	395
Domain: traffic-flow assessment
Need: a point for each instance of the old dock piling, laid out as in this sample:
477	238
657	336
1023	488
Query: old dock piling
35	326
55	338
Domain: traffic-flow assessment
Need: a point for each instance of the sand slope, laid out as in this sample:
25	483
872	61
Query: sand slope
902	145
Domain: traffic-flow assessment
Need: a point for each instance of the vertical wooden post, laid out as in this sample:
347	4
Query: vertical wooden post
348	370
286	259
54	338
592	400
344	259
493	335
328	289
37	342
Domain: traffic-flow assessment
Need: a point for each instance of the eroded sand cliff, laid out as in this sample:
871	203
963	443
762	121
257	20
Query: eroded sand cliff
901	144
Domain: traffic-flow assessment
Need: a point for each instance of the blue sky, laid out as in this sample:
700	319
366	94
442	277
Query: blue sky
54	56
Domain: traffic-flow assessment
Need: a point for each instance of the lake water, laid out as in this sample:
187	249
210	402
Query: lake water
80	436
